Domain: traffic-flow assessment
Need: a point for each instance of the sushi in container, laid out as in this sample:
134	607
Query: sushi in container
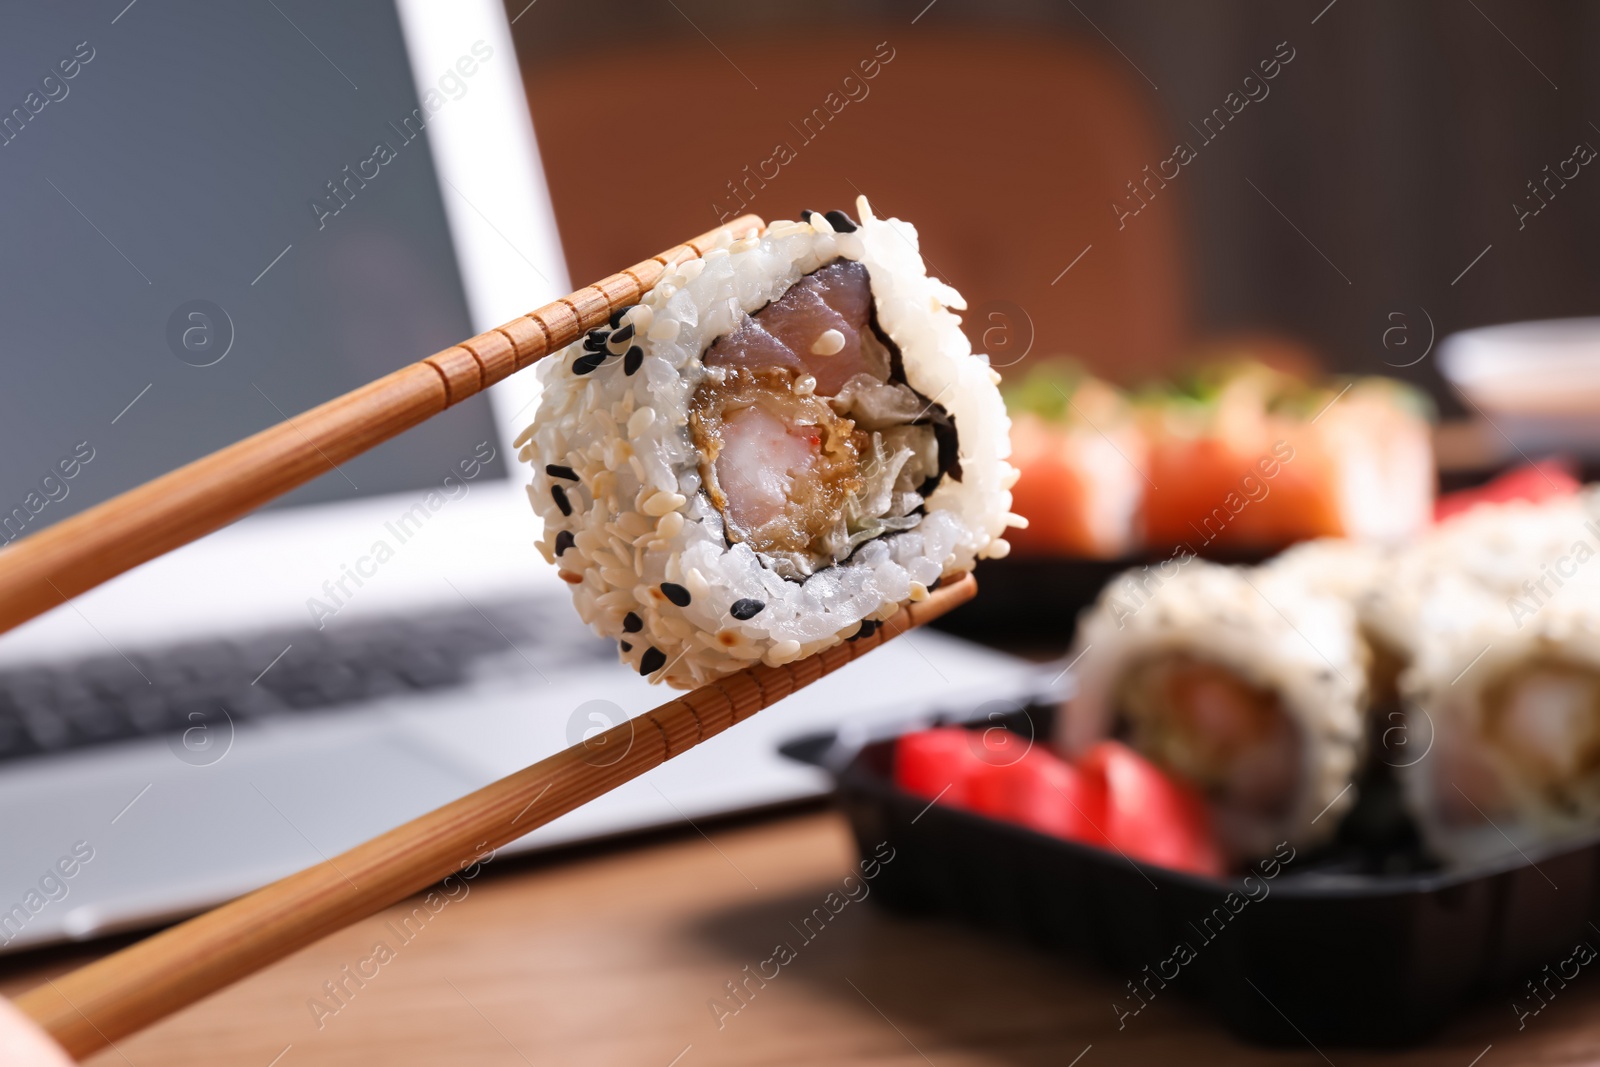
1362	941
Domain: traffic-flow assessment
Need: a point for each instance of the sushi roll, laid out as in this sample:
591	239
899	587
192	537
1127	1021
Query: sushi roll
1247	685
1244	458
1082	460
785	440
1498	615
1512	720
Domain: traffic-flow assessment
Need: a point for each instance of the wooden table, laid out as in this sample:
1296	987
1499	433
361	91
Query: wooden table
611	955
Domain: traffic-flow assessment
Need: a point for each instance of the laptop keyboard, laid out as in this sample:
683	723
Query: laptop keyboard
103	699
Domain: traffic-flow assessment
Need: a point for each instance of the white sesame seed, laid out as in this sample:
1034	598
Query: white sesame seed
660	503
640	421
696	581
828	343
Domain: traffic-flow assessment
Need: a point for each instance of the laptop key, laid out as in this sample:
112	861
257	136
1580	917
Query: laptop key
105	698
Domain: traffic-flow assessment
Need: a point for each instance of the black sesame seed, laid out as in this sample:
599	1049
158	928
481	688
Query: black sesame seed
596	338
591	345
841	222
559	495
616	316
805	216
564	541
589	362
556	470
633	360
675	593
625	646
652	660
620	335
868	628
631	623
747	608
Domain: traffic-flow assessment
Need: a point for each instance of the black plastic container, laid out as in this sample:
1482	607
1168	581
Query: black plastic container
1011	613
1303	950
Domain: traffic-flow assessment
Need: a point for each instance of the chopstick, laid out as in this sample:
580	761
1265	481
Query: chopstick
95	1005
50	567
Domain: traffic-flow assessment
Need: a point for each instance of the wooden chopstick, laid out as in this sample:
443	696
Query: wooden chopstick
48	568
126	991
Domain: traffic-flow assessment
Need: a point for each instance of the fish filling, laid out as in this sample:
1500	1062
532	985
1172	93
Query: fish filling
1545	720
811	440
1228	737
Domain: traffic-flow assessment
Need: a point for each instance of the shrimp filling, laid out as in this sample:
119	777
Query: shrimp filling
1545	720
811	440
1203	722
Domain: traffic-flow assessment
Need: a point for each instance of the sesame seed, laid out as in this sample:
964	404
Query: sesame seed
616	316
841	222
661	502
588	363
652	660
640	421
675	593
556	470
868	628
596	338
828	343
625	646
564	541
747	608
631	623
805	216
559	495
633	360
624	333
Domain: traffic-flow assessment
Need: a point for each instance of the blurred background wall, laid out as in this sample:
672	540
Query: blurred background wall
1374	192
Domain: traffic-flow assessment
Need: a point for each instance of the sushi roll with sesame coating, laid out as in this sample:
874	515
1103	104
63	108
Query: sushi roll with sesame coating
1498	612
782	442
1248	685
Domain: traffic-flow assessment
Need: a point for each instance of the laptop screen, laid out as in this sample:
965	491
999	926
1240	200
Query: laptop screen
214	217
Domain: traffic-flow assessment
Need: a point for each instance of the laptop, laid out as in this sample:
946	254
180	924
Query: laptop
217	217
